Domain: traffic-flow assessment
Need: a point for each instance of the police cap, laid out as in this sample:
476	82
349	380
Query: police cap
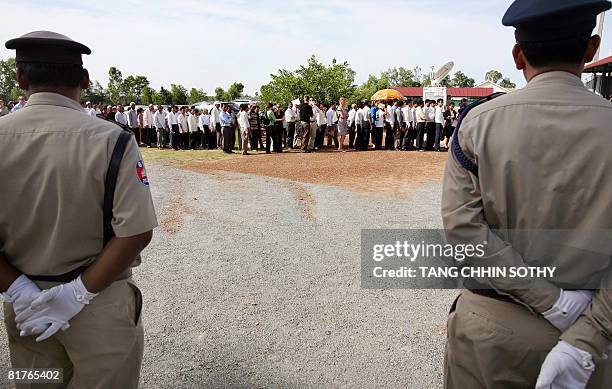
47	47
546	20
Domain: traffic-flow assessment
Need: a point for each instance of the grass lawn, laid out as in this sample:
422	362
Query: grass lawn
183	157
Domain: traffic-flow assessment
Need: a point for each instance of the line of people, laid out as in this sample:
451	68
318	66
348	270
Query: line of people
421	125
309	126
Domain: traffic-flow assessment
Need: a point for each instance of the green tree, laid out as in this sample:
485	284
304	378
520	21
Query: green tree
460	80
148	95
506	83
324	83
162	97
447	82
371	86
493	76
284	86
133	87
115	86
235	91
395	77
220	94
178	94
95	93
401	77
196	95
8	80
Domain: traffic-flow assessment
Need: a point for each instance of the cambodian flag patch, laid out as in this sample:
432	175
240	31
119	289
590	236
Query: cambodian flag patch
142	173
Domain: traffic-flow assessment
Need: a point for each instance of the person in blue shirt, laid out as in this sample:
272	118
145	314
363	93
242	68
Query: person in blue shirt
373	111
226	129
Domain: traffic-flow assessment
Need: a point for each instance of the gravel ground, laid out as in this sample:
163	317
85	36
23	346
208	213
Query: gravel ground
254	281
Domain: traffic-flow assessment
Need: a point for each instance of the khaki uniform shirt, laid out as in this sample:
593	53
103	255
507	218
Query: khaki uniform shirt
54	163
545	166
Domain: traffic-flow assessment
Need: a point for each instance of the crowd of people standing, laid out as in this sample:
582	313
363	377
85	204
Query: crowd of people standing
420	125
308	126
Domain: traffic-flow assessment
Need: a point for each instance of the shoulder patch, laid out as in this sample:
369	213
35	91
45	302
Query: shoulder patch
141	173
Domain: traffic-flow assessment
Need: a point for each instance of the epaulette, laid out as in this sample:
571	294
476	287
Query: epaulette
458	153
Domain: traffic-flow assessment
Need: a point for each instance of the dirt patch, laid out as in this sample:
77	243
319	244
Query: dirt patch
304	199
173	215
392	173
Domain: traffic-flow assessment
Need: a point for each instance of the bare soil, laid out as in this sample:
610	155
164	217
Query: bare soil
393	173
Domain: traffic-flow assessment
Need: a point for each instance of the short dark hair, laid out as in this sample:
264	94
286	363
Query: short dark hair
52	74
568	51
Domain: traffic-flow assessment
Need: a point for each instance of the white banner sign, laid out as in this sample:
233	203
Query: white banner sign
434	93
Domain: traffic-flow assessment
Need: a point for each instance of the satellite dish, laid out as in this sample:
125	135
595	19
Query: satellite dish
442	72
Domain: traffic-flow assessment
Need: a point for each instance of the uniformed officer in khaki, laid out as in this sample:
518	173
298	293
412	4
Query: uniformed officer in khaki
54	162
544	163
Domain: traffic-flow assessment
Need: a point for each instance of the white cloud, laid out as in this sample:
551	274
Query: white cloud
209	43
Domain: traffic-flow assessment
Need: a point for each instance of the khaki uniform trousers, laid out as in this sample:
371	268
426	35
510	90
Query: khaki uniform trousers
309	133
102	348
497	344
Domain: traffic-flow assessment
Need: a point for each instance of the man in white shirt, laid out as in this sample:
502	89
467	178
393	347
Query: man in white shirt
204	124
245	127
173	125
149	133
379	126
132	117
351	125
398	126
21	102
194	134
183	125
421	122
89	110
159	122
319	121
408	140
358	139
215	124
439	119
120	116
430	123
331	117
389	126
290	119
366	124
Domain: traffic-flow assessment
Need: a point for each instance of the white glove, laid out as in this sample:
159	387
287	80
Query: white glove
566	367
52	310
568	308
21	293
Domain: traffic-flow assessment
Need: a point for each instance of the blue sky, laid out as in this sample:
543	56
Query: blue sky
205	43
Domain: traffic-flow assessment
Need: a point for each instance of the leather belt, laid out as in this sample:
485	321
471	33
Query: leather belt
71	275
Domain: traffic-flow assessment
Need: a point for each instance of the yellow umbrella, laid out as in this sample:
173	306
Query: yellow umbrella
387	95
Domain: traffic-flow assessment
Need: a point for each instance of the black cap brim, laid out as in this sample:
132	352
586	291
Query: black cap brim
23	43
